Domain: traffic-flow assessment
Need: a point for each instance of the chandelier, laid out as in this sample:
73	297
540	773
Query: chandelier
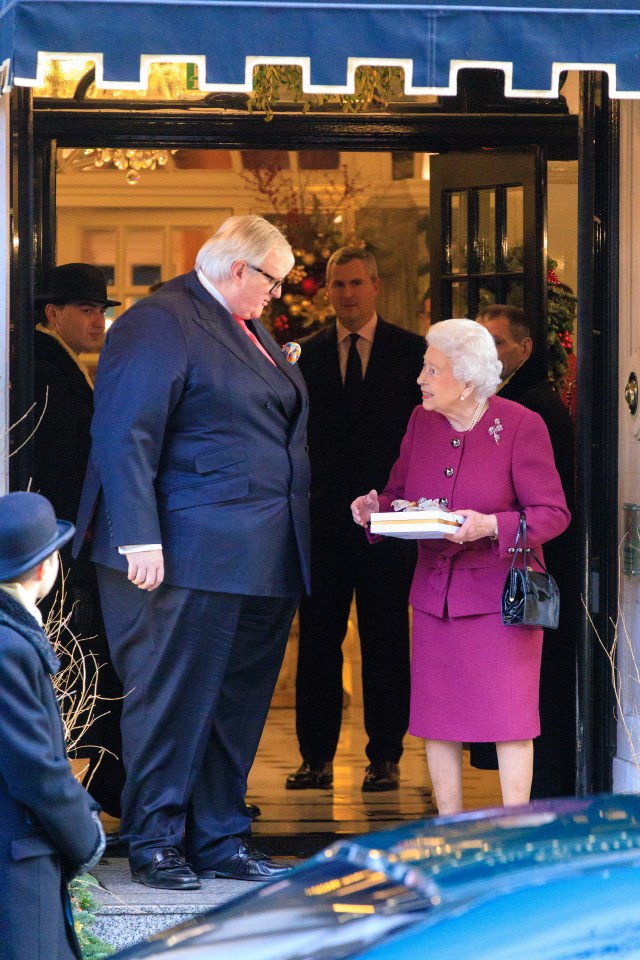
131	162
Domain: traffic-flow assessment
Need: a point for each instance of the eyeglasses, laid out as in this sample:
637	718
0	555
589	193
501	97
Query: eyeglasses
275	283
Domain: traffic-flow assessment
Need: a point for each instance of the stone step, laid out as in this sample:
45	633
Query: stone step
128	912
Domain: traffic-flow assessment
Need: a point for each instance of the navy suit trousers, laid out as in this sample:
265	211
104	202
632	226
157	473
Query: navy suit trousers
198	670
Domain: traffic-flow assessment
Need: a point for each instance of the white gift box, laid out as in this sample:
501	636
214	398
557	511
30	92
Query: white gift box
416	524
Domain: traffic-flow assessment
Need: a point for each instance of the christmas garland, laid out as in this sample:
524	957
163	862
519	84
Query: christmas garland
561	318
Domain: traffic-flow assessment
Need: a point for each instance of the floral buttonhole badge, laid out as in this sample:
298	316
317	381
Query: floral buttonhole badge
292	351
496	429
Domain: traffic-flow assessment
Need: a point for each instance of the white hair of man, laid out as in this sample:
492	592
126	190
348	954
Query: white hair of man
470	349
250	238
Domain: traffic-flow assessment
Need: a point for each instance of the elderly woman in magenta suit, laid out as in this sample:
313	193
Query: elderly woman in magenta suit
472	678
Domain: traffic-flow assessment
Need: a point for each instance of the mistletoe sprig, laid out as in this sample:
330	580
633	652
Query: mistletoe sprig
375	87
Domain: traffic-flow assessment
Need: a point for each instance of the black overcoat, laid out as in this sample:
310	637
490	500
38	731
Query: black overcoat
64	408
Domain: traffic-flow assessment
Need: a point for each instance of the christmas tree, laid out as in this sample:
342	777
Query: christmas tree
311	219
561	319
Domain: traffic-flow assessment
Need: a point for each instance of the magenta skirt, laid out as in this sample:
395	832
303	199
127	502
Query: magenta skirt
473	679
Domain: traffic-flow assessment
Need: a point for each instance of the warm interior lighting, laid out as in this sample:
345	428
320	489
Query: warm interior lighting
353	908
131	162
167	81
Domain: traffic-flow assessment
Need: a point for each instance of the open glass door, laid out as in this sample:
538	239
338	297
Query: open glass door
488	234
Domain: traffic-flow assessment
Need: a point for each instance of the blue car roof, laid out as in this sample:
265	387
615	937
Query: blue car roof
492	848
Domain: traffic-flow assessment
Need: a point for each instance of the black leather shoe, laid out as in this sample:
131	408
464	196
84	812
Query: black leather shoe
311	776
381	775
167	871
253	810
246	864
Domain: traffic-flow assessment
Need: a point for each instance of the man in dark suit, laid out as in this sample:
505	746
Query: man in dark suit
361	375
524	380
199	480
71	306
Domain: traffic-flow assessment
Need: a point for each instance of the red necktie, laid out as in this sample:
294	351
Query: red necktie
243	324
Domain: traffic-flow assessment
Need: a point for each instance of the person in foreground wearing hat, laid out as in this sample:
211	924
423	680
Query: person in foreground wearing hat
49	825
71	306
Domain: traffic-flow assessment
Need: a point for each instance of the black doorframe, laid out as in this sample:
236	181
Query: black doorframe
597	441
24	252
35	135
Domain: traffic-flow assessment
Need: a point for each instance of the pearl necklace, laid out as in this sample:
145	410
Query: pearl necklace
477	413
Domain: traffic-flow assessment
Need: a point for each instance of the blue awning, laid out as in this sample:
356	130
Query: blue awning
530	41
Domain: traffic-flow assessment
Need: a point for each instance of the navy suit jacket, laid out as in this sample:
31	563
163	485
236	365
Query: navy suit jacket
199	443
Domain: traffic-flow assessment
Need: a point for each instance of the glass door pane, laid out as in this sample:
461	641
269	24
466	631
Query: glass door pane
459	299
456	249
513	241
144	254
99	247
486	231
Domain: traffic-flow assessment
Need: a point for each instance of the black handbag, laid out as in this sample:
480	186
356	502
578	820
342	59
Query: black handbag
530	597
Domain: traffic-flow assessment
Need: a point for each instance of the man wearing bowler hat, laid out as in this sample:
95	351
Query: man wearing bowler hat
71	305
49	826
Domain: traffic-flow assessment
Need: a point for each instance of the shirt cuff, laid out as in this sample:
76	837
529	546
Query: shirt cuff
139	547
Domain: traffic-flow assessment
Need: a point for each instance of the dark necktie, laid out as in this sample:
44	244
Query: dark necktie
353	378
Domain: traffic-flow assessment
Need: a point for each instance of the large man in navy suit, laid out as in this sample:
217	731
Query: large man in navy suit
198	482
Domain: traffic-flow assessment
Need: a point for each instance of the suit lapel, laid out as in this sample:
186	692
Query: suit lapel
219	323
329	366
376	364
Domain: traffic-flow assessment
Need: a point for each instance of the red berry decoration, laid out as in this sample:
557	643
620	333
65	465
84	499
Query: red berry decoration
552	276
309	286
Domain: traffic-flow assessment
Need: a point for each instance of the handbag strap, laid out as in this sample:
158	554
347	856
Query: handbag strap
522	535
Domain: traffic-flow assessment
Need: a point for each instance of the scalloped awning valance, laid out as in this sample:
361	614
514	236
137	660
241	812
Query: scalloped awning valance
532	42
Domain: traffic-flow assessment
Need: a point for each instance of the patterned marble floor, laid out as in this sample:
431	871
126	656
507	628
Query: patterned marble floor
345	809
298	823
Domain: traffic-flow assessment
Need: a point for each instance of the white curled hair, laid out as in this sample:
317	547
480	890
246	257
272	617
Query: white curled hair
470	349
249	238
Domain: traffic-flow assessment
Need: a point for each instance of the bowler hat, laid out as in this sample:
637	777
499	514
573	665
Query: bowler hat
29	533
75	282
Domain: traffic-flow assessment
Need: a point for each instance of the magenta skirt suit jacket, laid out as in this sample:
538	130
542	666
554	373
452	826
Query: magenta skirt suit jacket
474	679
